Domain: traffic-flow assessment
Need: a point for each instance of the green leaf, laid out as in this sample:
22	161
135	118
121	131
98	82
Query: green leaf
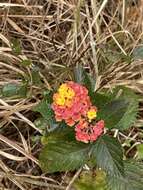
138	53
89	82
48	96
100	99
16	46
46	121
17	90
132	179
118	112
26	62
9	90
60	132
112	112
109	155
41	123
36	79
90	181
44	109
84	78
132	109
60	155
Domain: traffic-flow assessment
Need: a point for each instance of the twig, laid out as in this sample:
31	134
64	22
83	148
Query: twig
19	5
73	179
28	16
18	148
22	117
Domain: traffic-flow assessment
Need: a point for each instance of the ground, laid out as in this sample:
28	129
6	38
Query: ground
40	42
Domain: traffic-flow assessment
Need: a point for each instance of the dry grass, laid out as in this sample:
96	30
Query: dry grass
56	35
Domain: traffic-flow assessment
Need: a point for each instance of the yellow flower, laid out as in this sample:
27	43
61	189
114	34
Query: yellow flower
66	91
63	88
70	93
59	100
64	96
91	114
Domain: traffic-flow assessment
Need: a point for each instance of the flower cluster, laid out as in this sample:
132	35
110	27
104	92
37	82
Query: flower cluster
86	132
72	104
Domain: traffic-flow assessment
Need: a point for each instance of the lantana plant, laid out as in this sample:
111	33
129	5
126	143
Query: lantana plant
72	104
80	125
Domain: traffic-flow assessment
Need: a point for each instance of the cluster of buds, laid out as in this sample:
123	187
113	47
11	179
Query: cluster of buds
72	104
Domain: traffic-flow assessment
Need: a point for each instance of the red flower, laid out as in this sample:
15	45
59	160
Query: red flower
85	132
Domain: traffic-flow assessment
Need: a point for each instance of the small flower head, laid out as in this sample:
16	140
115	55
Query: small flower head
59	100
92	113
71	102
85	132
64	96
66	91
83	137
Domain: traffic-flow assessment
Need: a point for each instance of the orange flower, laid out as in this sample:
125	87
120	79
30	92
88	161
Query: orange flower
85	132
71	102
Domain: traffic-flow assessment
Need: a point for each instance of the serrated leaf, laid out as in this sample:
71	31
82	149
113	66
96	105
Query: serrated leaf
118	112
60	155
112	112
45	110
60	132
132	179
131	112
109	155
10	90
47	120
100	100
90	181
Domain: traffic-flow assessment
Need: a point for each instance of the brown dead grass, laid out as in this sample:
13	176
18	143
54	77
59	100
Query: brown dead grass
56	35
